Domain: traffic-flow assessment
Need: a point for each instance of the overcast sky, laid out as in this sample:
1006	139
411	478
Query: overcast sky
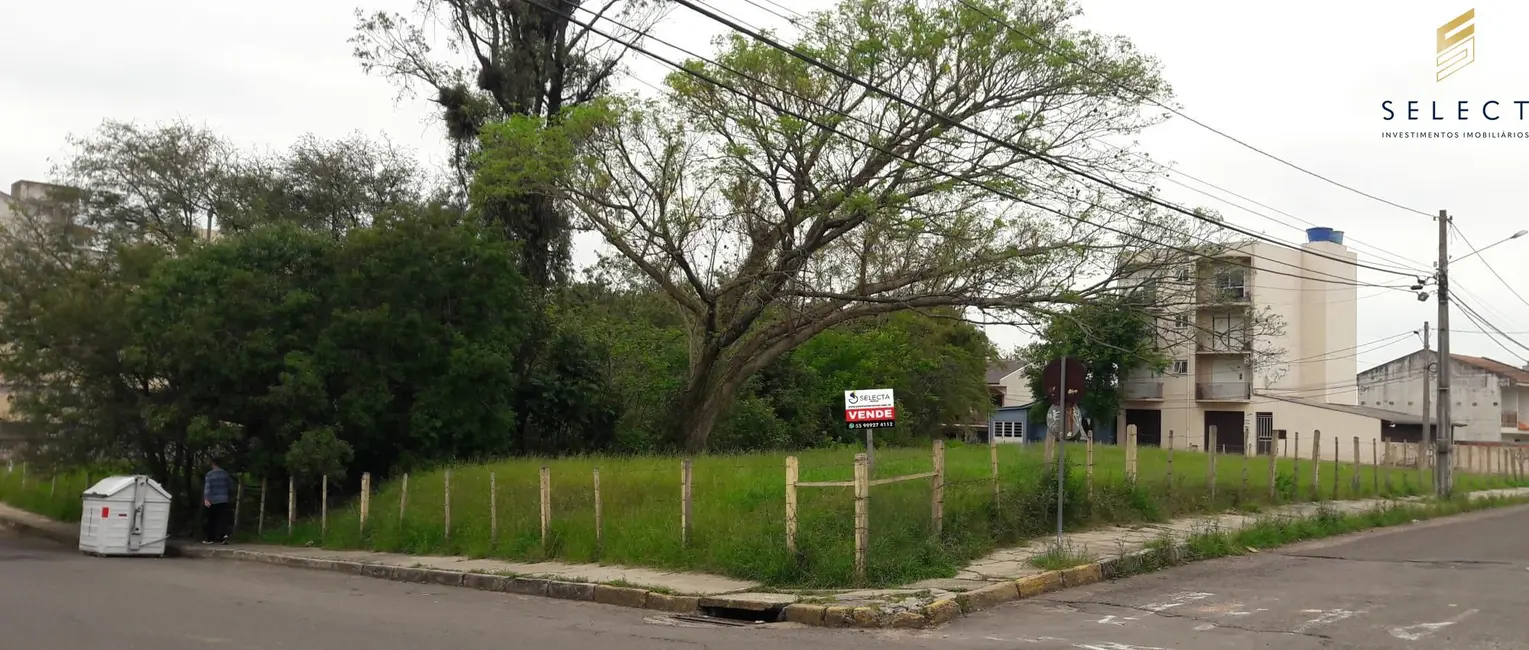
1303	80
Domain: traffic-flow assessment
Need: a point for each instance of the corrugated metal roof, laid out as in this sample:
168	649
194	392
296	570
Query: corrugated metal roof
1396	417
1495	367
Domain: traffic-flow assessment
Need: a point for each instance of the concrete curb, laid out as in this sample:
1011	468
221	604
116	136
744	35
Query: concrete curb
54	533
621	596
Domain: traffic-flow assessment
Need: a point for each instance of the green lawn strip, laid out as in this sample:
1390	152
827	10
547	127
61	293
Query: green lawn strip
738	527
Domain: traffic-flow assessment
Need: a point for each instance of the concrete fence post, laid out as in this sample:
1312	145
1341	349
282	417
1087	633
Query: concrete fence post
1355	479
1295	467
291	504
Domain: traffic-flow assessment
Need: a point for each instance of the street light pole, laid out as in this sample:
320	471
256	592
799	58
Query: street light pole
1444	441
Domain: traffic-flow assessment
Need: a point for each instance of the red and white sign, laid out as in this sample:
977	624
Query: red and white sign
864	409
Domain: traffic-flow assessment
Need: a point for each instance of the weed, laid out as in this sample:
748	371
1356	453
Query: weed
1061	556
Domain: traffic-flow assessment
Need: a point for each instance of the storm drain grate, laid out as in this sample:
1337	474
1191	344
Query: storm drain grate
714	620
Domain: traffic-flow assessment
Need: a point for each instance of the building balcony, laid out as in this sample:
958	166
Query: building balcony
1232	343
1230	296
1510	419
1224	391
1142	389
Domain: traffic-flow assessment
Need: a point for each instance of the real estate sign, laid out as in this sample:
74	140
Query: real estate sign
869	409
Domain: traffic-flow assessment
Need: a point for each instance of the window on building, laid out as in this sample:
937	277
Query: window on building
1181	321
1231	283
1183	274
1180	367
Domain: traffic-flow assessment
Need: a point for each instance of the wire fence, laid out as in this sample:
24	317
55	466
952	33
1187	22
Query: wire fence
821	517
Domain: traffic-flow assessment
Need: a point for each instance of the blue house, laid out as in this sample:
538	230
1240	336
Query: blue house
1012	424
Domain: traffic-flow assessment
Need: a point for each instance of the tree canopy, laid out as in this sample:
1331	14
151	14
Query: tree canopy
769	200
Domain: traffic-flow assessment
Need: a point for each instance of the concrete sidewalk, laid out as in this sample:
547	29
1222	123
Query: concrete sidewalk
1001	576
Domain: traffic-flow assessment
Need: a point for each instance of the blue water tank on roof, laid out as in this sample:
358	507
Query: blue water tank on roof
1324	234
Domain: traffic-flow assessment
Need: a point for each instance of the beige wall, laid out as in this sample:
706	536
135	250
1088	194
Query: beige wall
1478	397
1016	389
1320	317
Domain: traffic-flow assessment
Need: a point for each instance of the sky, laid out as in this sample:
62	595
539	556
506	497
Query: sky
1302	80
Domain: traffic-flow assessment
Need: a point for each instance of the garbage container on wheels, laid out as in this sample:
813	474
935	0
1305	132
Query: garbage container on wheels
125	515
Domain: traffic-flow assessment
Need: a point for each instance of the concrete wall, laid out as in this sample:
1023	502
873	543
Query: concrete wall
1478	399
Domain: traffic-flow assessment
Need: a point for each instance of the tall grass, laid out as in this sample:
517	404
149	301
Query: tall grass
738	526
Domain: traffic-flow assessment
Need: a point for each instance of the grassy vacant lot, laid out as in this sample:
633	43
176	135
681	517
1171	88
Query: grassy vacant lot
739	508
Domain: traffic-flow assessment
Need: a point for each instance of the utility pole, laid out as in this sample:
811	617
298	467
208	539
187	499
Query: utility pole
1444	482
1428	442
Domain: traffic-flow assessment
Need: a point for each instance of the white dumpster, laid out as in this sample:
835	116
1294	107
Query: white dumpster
125	515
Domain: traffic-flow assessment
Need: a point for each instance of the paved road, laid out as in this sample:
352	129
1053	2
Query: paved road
1456	584
1460	583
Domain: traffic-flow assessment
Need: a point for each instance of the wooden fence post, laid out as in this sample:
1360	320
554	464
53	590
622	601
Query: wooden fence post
1337	467
52	486
1211	474
992	453
260	520
1273	470
1375	459
1295	468
599	515
791	477
447	503
291	504
862	514
1355	480
687	489
1131	453
1169	475
1088	462
366	498
1212	449
1248	445
403	498
233	527
1316	465
546	504
937	489
493	510
1050	446
323	506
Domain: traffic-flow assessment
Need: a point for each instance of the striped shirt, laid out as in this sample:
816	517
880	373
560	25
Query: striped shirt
216	486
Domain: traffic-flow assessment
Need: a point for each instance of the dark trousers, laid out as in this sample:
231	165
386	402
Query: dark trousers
215	522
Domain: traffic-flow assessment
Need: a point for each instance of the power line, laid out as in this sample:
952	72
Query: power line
1413	265
1006	194
962	126
1482	322
1176	111
1487	263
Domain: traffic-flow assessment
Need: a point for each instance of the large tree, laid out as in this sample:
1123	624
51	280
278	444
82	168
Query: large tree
783	200
506	58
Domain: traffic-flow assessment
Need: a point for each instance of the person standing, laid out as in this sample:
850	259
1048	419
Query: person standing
215	495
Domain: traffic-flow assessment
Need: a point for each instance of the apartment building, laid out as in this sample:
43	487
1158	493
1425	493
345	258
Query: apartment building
1490	398
1260	337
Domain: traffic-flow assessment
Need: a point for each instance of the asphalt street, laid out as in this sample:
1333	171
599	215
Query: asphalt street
1457	584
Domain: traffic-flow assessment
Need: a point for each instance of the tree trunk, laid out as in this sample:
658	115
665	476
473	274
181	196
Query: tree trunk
706	395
